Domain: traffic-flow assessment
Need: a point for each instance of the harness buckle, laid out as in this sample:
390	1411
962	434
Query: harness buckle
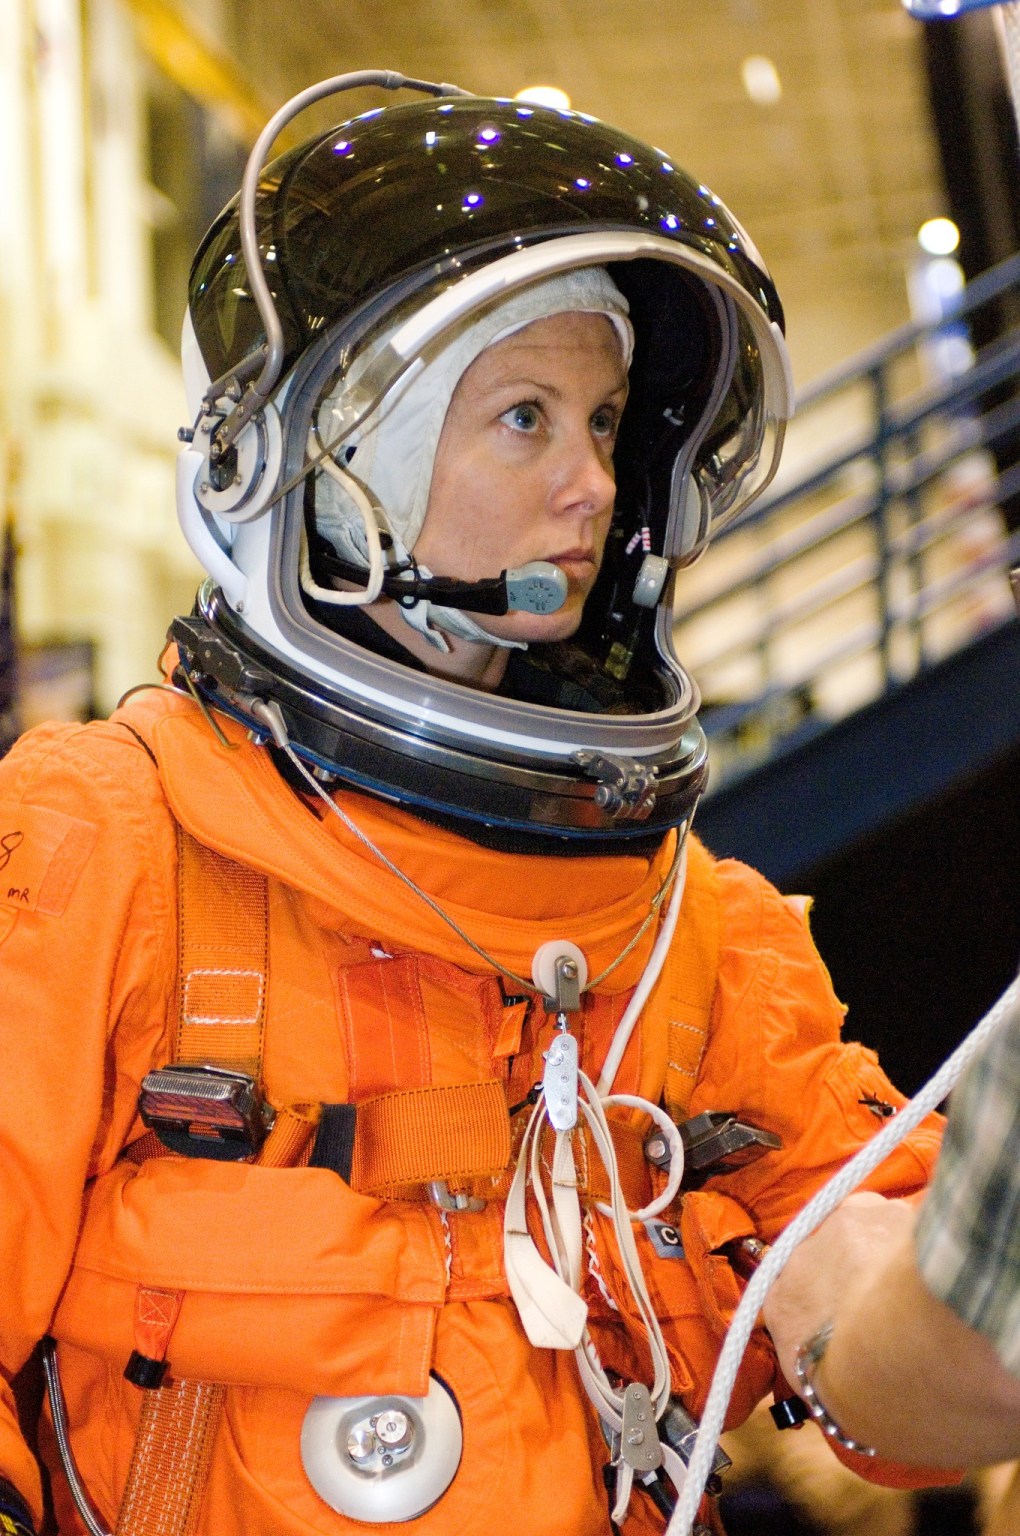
715	1141
204	1111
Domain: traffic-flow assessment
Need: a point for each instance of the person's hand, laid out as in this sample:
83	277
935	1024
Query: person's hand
836	1261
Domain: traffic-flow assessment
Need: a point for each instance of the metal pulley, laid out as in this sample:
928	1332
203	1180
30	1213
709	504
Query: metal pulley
560	972
382	1459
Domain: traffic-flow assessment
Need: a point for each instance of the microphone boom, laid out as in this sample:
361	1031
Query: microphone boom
537	587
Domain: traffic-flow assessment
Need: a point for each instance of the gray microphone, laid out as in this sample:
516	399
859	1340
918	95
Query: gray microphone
538	587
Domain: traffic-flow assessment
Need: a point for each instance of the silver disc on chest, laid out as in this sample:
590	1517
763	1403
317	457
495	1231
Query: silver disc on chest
380	1459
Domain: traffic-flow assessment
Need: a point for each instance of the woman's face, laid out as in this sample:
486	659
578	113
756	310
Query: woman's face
524	467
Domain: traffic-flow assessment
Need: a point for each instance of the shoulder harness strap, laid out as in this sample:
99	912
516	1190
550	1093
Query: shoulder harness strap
223	955
222	981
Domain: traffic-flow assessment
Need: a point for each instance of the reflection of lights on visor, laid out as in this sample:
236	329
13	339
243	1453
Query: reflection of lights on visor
472	200
582	182
342	147
624	159
670	221
489	135
544	96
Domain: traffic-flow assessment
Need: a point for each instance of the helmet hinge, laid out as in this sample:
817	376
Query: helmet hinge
626	787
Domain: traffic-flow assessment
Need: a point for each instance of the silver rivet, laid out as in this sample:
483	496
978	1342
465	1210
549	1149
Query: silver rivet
394	1429
360	1443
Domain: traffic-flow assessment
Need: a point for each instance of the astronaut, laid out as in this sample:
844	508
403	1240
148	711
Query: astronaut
365	990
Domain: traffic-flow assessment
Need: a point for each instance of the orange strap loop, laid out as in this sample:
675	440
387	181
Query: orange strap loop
632	1166
453	1133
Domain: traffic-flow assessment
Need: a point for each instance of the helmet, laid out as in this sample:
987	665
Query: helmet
337	274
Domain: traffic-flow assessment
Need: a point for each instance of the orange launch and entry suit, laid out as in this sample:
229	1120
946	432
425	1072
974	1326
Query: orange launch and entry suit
289	1282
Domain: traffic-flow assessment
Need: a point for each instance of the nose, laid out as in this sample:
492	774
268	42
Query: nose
586	483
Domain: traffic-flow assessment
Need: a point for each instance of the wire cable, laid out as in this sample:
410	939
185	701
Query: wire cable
270	717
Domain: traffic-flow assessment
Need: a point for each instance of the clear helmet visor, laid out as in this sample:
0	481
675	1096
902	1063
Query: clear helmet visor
700	436
710	387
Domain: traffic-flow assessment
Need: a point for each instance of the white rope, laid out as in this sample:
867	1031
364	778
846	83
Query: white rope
1007	18
813	1214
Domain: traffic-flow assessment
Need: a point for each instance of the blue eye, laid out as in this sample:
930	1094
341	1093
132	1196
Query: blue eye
523	417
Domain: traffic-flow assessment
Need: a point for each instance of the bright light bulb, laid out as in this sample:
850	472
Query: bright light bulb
544	96
939	237
761	80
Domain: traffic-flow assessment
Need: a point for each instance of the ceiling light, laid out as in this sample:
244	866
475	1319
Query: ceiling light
544	96
939	237
761	80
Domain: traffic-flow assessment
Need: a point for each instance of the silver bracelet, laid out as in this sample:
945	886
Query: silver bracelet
809	1356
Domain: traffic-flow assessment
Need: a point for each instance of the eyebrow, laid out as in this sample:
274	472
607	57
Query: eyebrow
528	381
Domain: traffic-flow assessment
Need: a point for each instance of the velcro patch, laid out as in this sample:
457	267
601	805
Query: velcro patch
42	853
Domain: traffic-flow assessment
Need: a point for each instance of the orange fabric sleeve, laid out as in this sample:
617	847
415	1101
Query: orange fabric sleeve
87	939
777	1056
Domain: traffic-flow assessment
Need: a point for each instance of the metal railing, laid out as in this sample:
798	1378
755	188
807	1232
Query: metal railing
884	544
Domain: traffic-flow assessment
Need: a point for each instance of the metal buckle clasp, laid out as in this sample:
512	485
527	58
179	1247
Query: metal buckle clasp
205	1111
441	1196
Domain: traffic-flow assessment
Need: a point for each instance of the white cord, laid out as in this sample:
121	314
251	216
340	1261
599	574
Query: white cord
547	1296
376	565
813	1214
650	976
674	1142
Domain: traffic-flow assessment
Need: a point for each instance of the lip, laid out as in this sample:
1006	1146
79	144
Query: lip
574	557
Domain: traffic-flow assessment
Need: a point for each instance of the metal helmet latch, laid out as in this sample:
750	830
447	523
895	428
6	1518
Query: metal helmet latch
626	787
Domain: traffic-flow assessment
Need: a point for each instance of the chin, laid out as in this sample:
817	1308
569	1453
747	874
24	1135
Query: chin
535	628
